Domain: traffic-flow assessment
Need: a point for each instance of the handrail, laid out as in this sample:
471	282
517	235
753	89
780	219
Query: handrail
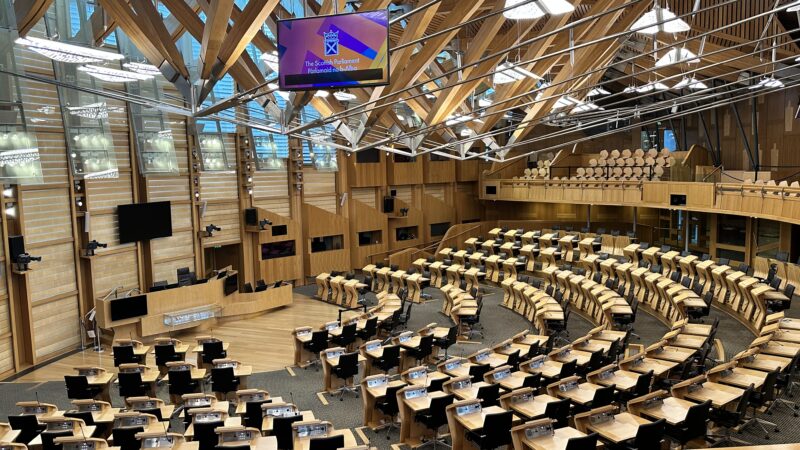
112	292
458	234
401	249
128	294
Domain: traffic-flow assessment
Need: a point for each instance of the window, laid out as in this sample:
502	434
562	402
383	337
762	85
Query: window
731	230
439	229
405	233
280	249
327	243
373	237
404	159
372	155
670	143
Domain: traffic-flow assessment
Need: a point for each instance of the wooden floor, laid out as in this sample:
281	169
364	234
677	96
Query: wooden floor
265	342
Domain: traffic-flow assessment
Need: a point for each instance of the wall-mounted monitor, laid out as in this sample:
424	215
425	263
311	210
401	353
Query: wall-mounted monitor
336	51
280	230
439	229
280	249
370	155
128	307
144	221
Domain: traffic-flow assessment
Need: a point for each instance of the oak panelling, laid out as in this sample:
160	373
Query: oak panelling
468	207
117	269
107	194
105	228
181	215
46	214
436	190
167	270
320	189
32	61
439	171
179	244
6	354
287	268
435	211
54	274
55	326
364	195
168	188
326	202
468	170
270	184
415	218
318	223
364	217
404	194
226	216
365	174
218	186
400	173
5	320
280	206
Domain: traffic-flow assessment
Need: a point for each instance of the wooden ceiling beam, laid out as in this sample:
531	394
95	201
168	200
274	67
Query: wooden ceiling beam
151	22
28	13
218	13
129	23
246	27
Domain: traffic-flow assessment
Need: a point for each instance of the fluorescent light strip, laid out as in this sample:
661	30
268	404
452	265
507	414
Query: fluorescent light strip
68	53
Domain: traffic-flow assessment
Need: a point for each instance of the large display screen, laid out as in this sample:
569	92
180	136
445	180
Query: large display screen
144	221
128	307
344	50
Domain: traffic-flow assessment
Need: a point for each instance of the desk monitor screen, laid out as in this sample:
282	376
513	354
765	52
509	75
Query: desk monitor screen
280	249
231	284
334	51
144	221
129	307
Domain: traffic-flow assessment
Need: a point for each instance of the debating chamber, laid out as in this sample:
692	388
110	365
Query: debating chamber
399	224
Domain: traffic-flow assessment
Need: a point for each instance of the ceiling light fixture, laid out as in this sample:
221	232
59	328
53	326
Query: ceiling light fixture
113	75
690	83
793	7
98	110
768	82
677	55
537	9
484	103
598	91
455	120
509	73
652	86
144	69
660	19
68	53
321	94
344	96
585	107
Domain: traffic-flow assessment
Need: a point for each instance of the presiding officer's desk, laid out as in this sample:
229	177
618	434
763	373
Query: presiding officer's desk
374	388
467	415
542	435
410	401
304	432
76	426
150	403
173	441
281	409
98	376
239	435
525	403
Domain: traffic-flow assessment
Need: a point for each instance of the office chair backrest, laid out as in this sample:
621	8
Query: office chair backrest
568	369
153	412
532	380
477	371
123	354
319	340
744	402
48	438
603	396
27	424
282	430
497	428
389	401
452	336
438	408
348	364
125	437
489	395
326	443
253	414
582	443
643	384
77	387
437	384
425	346
533	350
130	384
205	435
166	353
775	283
391	355
513	360
696	419
223	379
213	350
370	328
558	411
180	382
86	416
789	291
348	333
649	435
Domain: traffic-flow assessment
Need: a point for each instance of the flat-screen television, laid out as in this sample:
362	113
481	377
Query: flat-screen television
280	230
439	229
128	307
231	284
336	51
280	249
370	155
144	221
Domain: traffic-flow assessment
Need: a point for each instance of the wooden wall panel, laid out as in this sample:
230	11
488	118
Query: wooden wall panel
364	195
110	193
318	183
218	186
436	191
55	274
168	188
326	202
226	216
55	326
179	244
405	194
118	269
269	184
167	270
105	228
280	206
46	215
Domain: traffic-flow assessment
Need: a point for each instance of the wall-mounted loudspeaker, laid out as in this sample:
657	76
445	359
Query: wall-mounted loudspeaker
251	216
388	204
16	246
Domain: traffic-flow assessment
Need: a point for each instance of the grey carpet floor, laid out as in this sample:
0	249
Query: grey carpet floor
499	324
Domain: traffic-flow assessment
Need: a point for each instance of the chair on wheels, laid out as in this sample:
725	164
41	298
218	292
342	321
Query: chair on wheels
489	395
181	382
369	331
389	360
125	437
28	426
641	388
78	388
213	350
423	350
587	442
166	353
496	431
254	414
345	370
762	399
694	426
389	407
223	381
648	436
477	371
446	342
282	430
318	343
435	417
131	385
347	336
728	420
124	354
205	435
326	443
474	322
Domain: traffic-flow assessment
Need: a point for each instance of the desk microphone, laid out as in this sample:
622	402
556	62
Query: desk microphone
36	393
82	433
291	397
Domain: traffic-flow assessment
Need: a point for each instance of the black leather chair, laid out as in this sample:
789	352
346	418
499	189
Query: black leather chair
204	434
648	436
559	412
223	380
489	395
282	430
389	360
588	442
86	416
370	329
437	384
641	388
166	353
389	407
448	341
347	336
477	371
694	426
123	354
213	350
253	414
603	396
131	385
423	350
78	388
513	360
727	420
125	437
49	437
533	380
496	431
435	417
346	369
763	399
326	443
318	343
402	321
153	412
181	382
28	426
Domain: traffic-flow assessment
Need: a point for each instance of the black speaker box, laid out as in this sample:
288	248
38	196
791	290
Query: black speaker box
251	216
388	204
16	246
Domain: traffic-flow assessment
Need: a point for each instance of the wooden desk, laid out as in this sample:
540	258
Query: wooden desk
229	422
411	432
556	441
460	424
658	366
267	423
671	409
622	428
88	431
719	394
7	434
766	363
372	417
624	380
303	443
331	383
